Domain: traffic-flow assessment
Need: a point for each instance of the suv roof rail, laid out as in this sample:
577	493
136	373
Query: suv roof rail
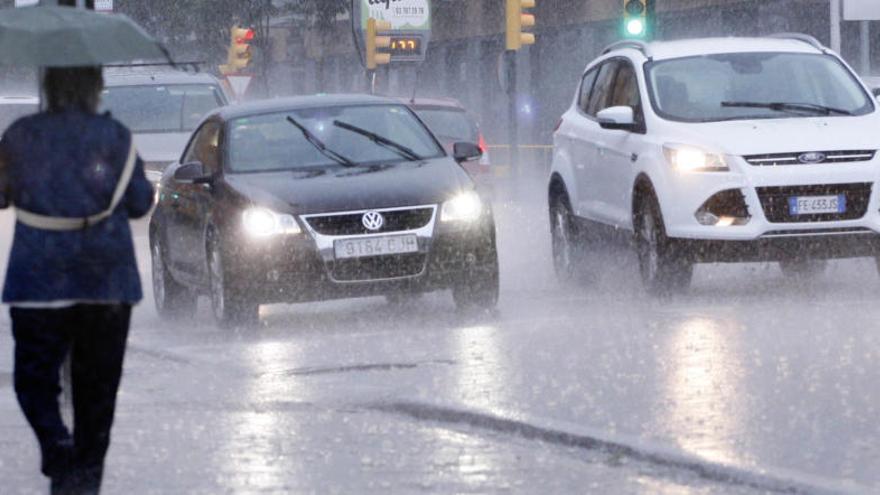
634	44
804	38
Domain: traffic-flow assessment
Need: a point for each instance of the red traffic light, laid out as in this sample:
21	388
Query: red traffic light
247	35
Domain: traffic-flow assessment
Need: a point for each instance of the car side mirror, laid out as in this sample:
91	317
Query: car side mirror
193	173
465	152
621	117
876	92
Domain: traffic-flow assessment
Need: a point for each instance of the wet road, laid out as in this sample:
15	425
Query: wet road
752	383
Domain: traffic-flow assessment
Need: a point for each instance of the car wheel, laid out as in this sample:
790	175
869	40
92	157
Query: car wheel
663	266
563	237
173	300
230	307
803	268
478	289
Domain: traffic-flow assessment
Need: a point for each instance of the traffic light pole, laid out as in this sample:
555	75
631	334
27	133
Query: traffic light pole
512	115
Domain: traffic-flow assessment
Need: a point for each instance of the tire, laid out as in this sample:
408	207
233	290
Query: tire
478	289
173	300
564	235
803	268
665	267
230	307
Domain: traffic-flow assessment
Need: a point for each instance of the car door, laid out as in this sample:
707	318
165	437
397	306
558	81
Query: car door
570	138
589	136
618	149
192	202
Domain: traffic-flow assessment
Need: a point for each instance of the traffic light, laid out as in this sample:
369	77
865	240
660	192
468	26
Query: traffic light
240	52
516	21
635	18
378	36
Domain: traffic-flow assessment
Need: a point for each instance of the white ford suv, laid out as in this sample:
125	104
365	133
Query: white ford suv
717	150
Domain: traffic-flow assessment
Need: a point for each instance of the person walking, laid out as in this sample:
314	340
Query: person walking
75	180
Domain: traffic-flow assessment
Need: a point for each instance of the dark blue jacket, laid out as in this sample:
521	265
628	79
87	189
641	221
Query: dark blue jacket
67	164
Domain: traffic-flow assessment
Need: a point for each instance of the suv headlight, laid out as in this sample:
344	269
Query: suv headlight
263	222
686	158
466	207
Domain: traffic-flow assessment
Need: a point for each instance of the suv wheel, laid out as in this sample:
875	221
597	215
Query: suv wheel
230	307
173	300
664	267
563	237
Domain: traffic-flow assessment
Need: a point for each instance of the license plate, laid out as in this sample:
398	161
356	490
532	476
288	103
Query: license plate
812	205
376	246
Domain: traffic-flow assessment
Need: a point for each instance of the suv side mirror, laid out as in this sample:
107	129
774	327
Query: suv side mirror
617	118
193	173
465	152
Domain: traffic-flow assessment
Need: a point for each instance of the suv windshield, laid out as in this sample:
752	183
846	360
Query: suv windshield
739	86
161	108
269	142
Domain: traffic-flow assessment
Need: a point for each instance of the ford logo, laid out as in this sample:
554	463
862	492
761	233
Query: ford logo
812	157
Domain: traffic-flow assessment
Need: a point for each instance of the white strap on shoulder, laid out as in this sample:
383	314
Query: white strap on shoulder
44	222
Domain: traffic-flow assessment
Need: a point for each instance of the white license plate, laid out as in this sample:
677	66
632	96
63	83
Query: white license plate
376	246
811	205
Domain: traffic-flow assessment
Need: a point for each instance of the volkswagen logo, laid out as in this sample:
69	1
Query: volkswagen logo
812	157
373	220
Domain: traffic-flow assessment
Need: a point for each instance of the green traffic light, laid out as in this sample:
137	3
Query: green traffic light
635	27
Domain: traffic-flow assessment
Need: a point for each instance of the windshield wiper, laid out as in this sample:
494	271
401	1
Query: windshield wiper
380	140
780	106
320	146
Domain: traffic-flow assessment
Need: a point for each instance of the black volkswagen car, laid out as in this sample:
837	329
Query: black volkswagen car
316	198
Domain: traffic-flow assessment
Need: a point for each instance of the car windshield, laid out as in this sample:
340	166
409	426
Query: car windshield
738	86
270	142
449	124
161	108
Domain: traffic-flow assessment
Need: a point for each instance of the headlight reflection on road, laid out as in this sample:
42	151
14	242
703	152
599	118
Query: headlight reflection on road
704	396
263	433
483	378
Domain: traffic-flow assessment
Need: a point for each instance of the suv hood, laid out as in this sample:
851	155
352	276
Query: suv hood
338	188
756	137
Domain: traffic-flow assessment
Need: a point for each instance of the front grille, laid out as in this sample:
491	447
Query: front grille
378	267
774	201
351	223
793	158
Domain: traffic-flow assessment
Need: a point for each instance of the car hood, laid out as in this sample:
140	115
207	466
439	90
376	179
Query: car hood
161	147
338	188
756	137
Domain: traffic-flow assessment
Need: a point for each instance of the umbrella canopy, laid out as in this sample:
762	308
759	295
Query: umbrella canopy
68	37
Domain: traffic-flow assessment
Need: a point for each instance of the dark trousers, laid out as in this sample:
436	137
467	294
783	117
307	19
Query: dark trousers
95	337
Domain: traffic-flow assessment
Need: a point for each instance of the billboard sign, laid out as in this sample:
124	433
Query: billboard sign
410	23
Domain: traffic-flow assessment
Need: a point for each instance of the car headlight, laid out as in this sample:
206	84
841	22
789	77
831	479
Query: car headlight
263	222
692	159
466	207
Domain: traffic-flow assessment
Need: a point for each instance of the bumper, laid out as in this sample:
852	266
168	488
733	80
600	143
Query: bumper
777	247
685	194
300	268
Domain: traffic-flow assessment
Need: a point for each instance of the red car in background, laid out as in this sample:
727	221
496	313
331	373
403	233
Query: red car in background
451	123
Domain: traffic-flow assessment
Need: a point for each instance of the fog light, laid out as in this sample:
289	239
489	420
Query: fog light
724	209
